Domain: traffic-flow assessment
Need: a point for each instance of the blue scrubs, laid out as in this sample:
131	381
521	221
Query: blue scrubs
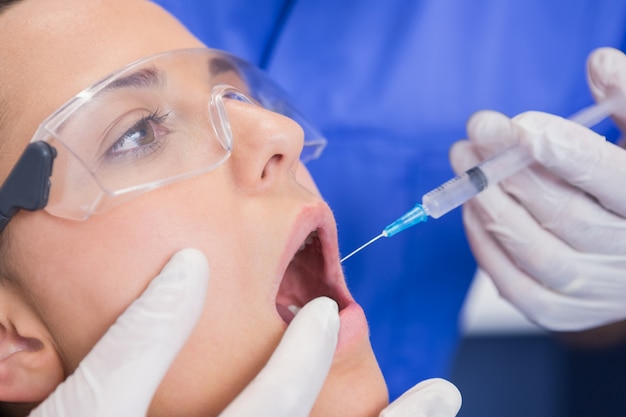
391	84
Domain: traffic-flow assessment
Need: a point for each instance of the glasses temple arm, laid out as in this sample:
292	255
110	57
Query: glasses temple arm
28	184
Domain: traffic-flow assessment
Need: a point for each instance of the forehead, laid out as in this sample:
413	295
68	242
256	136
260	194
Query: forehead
52	49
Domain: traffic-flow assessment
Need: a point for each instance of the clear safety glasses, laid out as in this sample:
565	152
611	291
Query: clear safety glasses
156	121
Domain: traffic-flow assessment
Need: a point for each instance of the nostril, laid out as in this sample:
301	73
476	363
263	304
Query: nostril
271	164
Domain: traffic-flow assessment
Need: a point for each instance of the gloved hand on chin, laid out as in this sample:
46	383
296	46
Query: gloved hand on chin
121	373
553	237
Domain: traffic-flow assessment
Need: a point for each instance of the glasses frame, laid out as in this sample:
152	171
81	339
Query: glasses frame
28	185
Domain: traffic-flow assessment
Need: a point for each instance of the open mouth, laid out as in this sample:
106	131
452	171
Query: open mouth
306	278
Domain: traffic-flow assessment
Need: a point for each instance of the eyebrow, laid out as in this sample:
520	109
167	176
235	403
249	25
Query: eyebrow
151	77
220	65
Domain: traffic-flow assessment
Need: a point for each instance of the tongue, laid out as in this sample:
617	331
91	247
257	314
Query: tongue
285	313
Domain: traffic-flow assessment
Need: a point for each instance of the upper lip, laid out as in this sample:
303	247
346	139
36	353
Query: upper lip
315	271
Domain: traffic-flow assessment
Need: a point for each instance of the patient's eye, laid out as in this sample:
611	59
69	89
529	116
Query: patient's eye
141	139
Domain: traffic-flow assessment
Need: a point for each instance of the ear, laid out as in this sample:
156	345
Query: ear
30	368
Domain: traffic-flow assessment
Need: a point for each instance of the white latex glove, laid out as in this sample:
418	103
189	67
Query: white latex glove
122	372
430	398
293	377
553	237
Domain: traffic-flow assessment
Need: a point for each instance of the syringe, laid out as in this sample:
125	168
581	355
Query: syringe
463	187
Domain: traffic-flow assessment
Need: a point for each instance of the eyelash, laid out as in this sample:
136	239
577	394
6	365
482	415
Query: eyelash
153	121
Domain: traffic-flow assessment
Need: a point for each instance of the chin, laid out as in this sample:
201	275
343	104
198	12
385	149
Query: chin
354	388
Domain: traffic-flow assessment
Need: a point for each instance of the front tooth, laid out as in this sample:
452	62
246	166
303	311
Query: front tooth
308	240
294	309
310	237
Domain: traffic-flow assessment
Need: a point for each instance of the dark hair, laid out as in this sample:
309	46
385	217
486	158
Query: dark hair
15	409
4	4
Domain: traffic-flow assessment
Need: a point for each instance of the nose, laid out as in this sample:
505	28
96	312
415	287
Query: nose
266	145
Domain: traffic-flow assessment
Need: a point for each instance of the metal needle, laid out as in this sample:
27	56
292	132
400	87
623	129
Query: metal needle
361	247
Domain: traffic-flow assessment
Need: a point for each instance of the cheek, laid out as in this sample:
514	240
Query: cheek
304	178
86	276
81	285
231	343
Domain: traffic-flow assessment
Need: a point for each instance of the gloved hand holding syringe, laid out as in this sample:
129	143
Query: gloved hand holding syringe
461	188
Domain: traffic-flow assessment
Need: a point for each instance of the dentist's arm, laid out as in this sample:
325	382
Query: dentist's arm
553	237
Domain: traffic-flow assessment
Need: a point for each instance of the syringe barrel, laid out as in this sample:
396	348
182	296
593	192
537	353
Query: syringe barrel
453	193
461	188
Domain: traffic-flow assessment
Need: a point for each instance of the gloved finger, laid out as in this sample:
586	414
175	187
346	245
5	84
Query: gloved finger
121	373
430	398
463	156
548	308
293	377
568	212
568	150
583	224
565	210
490	132
576	154
606	74
534	249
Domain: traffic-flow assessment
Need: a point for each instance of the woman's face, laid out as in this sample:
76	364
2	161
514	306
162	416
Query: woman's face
249	216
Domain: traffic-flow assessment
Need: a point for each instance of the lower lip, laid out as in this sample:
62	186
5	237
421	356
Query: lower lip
353	327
